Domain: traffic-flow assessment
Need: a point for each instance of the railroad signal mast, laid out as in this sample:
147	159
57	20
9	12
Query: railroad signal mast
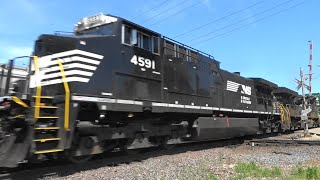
305	111
302	85
310	86
310	69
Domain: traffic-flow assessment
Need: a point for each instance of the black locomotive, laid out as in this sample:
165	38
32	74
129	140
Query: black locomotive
116	85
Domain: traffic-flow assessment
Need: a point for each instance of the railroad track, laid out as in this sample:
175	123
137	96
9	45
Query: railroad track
266	142
283	139
64	168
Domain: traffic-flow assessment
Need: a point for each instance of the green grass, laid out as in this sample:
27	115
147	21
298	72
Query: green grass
306	173
212	177
253	170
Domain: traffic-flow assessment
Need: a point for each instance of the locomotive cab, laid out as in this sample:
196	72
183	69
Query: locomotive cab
264	94
290	112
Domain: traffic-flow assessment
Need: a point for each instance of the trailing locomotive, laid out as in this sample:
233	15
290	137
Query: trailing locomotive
115	84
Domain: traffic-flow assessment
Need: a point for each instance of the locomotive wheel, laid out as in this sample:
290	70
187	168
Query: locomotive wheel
164	143
70	155
130	151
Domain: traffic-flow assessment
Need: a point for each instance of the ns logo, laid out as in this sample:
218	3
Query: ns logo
235	87
246	90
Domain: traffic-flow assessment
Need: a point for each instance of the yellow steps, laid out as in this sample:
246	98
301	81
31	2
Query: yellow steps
47	117
41	105
47	128
44	97
48	107
48	151
48	139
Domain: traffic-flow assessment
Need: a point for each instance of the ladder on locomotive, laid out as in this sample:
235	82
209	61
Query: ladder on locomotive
285	116
49	129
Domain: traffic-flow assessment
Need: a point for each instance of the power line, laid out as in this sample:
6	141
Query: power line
166	10
252	22
272	8
154	7
217	20
175	13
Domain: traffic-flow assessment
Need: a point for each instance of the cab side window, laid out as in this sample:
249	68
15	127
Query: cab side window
126	35
155	45
144	41
132	37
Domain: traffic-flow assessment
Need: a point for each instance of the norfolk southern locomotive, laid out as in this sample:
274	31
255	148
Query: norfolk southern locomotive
116	85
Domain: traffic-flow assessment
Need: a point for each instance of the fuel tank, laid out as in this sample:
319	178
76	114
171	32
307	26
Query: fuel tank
209	128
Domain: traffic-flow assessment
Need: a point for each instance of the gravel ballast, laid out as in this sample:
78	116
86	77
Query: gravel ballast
192	163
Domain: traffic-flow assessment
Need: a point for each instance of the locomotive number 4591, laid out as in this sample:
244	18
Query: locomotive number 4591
143	62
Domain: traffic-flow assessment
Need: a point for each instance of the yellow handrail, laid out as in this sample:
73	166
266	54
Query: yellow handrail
38	90
19	101
285	114
67	97
282	113
288	114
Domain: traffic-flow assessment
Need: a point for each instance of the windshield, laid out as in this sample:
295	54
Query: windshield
101	30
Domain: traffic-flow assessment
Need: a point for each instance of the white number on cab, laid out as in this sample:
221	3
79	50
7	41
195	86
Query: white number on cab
143	62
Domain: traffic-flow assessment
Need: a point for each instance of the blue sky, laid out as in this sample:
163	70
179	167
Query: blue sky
273	48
